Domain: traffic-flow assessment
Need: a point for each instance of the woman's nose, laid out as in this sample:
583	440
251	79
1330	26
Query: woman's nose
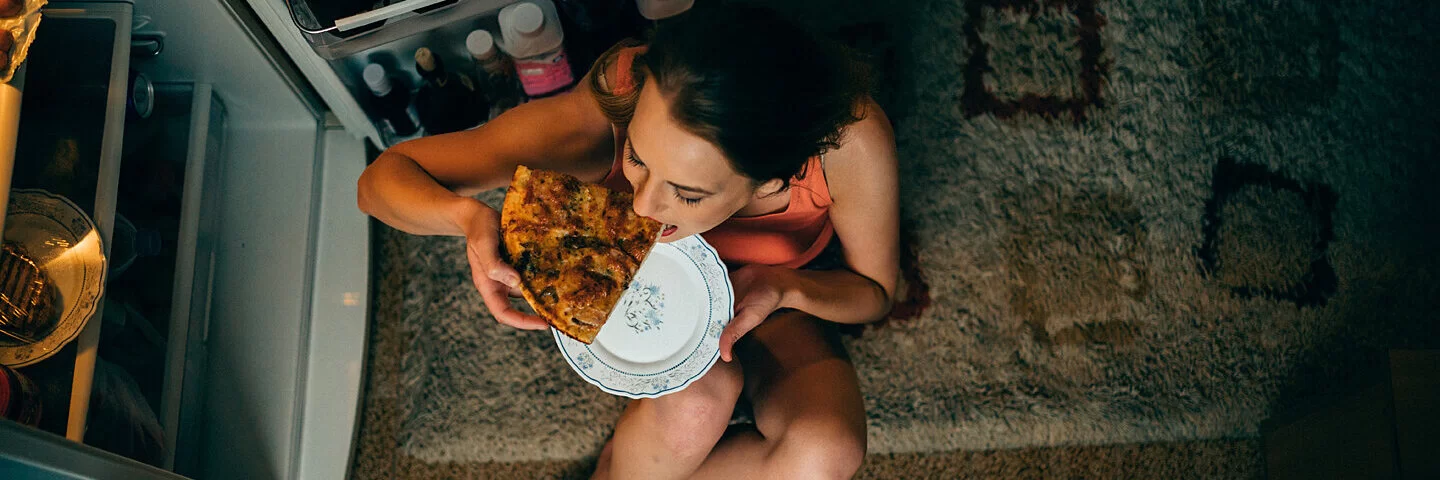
647	200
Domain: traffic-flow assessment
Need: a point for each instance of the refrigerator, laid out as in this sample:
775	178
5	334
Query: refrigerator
215	146
217	167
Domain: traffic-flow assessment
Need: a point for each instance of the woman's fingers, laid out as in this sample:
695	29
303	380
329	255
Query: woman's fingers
745	321
499	304
496	283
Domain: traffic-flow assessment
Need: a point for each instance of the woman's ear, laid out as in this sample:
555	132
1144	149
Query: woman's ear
768	188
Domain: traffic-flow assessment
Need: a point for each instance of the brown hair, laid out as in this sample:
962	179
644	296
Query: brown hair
769	97
617	107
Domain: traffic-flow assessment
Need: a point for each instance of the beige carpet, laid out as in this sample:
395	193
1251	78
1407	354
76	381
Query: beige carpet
380	456
1138	222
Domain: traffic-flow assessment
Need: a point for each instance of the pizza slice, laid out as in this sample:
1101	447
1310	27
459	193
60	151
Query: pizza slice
576	246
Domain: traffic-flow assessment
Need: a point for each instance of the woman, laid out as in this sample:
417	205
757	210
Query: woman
718	126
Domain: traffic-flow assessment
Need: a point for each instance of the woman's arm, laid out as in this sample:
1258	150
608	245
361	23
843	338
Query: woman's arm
864	183
423	186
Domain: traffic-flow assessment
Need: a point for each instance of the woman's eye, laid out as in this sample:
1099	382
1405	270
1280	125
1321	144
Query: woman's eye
687	200
630	158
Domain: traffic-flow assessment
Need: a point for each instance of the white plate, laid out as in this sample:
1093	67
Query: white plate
665	332
65	244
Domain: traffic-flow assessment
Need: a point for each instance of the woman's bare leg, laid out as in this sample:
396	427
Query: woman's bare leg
668	437
809	414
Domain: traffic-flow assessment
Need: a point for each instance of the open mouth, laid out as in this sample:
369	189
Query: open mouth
668	230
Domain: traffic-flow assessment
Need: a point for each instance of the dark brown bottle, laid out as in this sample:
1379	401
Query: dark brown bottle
494	72
391	103
447	100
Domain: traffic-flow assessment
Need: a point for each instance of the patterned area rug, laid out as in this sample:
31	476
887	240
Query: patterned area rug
1137	222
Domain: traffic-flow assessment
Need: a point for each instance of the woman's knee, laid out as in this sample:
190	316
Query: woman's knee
692	420
821	448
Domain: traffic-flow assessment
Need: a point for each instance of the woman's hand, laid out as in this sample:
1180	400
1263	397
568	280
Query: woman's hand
495	280
759	291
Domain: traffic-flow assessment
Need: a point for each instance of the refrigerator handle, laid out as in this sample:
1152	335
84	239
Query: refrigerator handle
290	7
362	19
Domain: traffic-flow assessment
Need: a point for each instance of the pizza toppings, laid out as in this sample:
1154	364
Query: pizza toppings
575	245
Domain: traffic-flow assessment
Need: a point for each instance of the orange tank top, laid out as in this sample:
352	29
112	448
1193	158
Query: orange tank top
789	238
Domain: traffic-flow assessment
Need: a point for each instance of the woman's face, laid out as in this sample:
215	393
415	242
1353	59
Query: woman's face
680	179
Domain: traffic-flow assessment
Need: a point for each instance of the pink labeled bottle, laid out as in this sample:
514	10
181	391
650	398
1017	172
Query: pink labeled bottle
530	33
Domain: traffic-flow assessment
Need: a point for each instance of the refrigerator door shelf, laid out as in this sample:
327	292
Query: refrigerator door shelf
367	30
69	143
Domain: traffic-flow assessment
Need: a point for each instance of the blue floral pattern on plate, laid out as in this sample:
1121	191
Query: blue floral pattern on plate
585	361
642	310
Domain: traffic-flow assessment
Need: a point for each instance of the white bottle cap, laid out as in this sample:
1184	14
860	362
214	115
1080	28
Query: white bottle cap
529	28
480	44
527	18
658	9
376	79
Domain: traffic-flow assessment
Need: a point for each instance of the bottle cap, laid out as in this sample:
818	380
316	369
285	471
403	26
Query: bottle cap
527	18
658	9
376	79
480	44
425	59
528	29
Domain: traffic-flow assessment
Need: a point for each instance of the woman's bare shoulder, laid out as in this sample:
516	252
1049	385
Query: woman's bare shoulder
867	150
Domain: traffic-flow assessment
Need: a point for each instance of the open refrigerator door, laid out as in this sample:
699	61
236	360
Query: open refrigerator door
239	147
222	195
